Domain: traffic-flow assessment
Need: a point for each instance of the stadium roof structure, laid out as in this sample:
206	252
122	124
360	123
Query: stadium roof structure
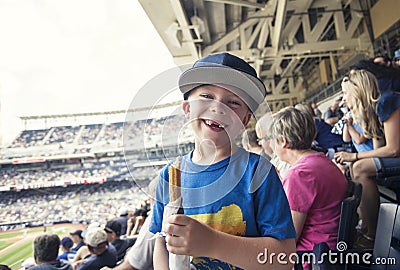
52	116
296	46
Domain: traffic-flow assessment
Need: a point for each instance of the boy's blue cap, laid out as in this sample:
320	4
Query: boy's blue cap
396	55
228	71
67	242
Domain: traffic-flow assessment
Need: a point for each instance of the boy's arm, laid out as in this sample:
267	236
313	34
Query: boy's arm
191	237
160	257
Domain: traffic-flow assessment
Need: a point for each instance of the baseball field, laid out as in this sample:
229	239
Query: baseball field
17	245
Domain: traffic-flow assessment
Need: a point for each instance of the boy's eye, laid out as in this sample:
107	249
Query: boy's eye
206	96
234	102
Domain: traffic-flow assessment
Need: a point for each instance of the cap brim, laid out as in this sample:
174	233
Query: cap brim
246	86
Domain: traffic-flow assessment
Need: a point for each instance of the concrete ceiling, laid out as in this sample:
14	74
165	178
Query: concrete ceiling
285	41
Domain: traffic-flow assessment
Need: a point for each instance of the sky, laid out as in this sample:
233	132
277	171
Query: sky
73	56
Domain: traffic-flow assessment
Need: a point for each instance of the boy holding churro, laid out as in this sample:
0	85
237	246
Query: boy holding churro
233	201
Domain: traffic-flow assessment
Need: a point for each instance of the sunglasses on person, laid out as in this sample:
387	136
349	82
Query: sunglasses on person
267	138
347	79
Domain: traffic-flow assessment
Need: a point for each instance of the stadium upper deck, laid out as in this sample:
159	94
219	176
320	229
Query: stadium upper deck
87	140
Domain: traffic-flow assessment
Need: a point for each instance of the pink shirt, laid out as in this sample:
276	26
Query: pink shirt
316	187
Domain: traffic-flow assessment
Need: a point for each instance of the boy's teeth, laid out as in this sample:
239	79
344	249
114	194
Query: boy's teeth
210	122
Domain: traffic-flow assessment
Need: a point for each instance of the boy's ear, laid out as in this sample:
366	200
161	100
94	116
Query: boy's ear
186	108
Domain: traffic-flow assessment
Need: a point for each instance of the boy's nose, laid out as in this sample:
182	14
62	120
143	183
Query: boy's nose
218	107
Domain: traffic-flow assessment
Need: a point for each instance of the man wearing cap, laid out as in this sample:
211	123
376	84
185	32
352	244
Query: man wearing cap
233	201
113	230
45	251
66	249
123	220
102	254
77	239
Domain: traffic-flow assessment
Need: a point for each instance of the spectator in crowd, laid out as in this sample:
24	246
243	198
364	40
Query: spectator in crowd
264	139
324	138
332	115
123	219
4	267
379	116
66	249
388	77
383	60
102	254
209	232
140	256
250	142
77	239
135	223
113	230
317	111
45	251
396	58
309	181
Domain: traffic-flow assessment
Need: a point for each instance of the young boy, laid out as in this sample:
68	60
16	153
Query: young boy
234	204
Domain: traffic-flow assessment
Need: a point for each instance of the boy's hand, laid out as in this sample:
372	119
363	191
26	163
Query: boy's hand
187	236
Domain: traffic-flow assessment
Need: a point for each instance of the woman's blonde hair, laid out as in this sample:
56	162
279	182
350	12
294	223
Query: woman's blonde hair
364	94
297	127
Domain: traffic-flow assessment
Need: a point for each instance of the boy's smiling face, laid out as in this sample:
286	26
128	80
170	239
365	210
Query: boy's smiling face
216	114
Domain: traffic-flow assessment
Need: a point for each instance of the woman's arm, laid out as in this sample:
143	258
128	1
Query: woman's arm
392	147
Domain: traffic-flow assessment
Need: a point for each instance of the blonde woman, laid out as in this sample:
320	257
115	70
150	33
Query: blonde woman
310	181
379	116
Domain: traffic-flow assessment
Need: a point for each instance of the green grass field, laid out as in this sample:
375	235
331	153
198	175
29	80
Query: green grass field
16	246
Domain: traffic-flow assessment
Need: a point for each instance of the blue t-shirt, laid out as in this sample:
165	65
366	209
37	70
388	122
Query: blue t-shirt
240	195
388	103
64	256
325	137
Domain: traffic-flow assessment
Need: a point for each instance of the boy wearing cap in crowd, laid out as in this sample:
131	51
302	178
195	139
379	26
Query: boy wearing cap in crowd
66	248
226	191
77	239
102	254
113	230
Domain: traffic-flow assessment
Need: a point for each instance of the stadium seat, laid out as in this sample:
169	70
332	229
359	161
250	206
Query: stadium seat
393	184
348	215
387	240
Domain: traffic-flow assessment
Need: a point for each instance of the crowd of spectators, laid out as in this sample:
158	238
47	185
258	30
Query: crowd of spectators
29	138
85	139
34	176
75	203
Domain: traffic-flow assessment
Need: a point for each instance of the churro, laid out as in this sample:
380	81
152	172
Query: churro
174	180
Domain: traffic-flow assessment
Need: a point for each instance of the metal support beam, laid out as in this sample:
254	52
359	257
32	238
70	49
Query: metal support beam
239	3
